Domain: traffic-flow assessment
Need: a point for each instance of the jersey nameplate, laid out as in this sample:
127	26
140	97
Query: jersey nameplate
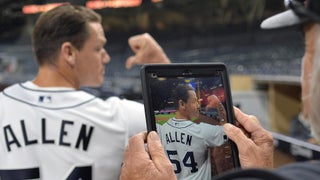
179	138
84	135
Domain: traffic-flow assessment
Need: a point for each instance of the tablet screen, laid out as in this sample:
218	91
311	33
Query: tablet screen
187	105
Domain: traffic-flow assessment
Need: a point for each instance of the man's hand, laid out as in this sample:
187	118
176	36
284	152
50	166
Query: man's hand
145	163
255	144
146	50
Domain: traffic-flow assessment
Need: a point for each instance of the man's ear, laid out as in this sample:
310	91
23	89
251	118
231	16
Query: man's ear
182	104
68	52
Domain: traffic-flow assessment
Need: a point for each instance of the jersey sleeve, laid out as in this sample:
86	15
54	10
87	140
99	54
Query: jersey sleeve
134	115
213	135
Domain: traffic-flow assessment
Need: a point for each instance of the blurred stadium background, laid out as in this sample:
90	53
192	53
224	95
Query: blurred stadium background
188	30
264	64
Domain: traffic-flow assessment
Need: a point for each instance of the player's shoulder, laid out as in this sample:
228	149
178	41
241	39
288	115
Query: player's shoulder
10	89
179	123
205	125
46	97
123	103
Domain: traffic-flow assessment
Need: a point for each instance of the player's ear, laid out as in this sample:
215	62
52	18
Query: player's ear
182	104
68	51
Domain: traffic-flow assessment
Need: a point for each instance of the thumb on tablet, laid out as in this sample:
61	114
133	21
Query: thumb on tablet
158	155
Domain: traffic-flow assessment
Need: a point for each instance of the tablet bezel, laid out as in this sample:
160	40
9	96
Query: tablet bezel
186	70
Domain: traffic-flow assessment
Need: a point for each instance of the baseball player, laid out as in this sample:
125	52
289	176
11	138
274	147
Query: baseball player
186	143
49	128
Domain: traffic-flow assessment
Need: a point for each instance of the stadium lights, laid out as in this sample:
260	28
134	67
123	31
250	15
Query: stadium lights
113	4
98	4
34	9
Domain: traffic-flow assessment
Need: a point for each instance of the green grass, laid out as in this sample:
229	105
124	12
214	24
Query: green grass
163	118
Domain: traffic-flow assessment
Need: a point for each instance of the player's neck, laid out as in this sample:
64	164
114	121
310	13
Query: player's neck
180	116
49	76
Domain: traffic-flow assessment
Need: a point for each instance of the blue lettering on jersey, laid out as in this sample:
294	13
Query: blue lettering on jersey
9	132
44	133
63	132
179	137
84	135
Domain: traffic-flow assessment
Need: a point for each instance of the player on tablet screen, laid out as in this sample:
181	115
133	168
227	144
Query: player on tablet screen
186	143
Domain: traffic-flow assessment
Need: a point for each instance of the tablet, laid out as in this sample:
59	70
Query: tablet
187	104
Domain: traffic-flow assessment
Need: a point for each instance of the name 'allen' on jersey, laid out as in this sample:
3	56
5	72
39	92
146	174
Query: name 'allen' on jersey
178	137
84	133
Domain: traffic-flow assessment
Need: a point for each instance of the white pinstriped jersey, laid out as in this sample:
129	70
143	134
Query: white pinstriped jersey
61	133
187	146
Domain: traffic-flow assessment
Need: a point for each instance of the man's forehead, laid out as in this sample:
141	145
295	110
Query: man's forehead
98	29
192	93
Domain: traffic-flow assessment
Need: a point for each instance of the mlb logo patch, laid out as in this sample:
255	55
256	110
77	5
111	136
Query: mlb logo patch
44	99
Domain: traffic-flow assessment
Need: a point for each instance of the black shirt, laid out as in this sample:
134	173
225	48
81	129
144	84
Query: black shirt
307	170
